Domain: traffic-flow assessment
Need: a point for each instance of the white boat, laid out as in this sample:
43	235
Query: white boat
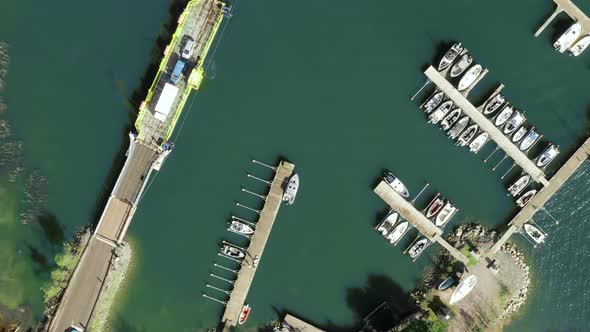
450	119
478	142
458	127
433	101
534	233
396	184
494	104
464	288
467	135
461	65
291	190
503	116
526	197
450	56
470	76
515	121
519	185
418	248
244	314
440	112
240	228
547	155
445	214
580	46
529	140
233	252
519	134
398	232
434	207
566	40
387	223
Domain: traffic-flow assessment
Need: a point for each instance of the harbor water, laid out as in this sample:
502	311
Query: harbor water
327	86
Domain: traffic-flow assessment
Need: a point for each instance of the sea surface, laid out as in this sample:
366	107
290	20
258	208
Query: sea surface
323	84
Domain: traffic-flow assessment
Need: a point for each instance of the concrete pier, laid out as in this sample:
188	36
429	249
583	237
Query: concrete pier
572	11
257	243
294	324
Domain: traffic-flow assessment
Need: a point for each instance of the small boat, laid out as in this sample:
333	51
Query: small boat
526	197
529	140
519	185
503	116
519	134
434	207
467	135
396	184
566	40
470	76
244	314
514	122
387	223
450	119
233	252
240	228
464	288
445	214
397	232
494	104
580	46
440	112
458	127
478	142
448	282
291	190
450	56
534	233
433	101
418	248
547	155
461	65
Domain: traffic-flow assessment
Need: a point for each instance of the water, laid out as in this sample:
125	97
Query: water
323	84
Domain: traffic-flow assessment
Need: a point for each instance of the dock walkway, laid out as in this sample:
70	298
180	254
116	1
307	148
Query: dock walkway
572	11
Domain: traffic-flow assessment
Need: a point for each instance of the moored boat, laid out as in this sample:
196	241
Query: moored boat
434	207
461	65
547	155
566	40
240	228
396	184
244	314
464	288
233	252
503	116
478	142
398	232
291	190
494	104
387	223
445	214
519	134
580	46
418	248
519	185
467	135
534	233
450	119
470	76
458	127
514	122
440	112
445	284
529	140
526	197
433	101
450	56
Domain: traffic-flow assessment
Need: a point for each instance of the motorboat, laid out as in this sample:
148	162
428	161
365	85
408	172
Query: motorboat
503	116
529	140
291	190
467	135
387	223
470	76
244	314
418	248
566	40
463	289
519	185
535	233
478	142
526	197
547	155
232	252
434	207
580	46
458	127
433	101
396	184
440	112
445	284
461	65
398	232
450	119
519	134
240	228
450	56
494	104
515	121
445	214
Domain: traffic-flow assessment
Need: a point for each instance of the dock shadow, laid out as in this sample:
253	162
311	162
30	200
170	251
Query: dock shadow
51	228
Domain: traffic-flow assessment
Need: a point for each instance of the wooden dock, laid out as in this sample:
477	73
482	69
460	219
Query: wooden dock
294	324
572	11
486	125
255	249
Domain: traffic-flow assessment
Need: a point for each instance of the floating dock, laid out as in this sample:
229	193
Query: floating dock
572	11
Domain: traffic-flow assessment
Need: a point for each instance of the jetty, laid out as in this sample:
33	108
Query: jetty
572	11
268	214
148	148
294	324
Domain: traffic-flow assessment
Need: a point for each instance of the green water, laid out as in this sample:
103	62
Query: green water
323	84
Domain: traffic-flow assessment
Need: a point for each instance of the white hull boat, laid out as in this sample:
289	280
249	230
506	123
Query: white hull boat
396	184
519	134
440	112
434	207
470	76
478	142
519	185
458	127
503	116
450	119
398	232
461	65
526	197
418	248
240	228
529	140
433	101
566	40
387	223
515	121
546	156
464	288
445	214
450	56
232	252
467	135
534	233
291	190
494	104
580	46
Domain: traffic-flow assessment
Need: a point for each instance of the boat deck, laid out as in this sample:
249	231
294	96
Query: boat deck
572	11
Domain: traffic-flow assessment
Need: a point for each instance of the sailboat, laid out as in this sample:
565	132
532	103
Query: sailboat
450	56
461	65
291	190
470	76
519	185
568	38
464	288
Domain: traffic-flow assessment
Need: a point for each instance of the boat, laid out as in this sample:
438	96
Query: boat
244	313
433	101
526	197
519	134
503	116
396	184
458	127
519	185
398	232
240	228
440	112
291	190
566	40
494	104
448	282
470	76
418	248
580	46
467	135
478	142
461	65
529	140
387	223
547	155
450	119
233	252
464	288
434	207
534	233
450	56
445	214
514	122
